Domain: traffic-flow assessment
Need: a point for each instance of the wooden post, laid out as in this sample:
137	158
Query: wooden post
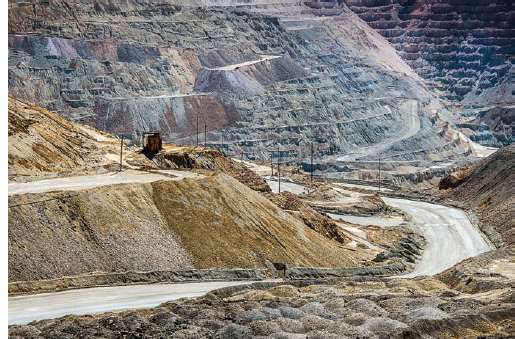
121	152
272	163
279	167
222	142
379	179
312	162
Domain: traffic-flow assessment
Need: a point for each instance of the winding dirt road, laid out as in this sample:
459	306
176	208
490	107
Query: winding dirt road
450	236
412	127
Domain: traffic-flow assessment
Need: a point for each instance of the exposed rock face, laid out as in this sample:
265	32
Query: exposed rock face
487	187
462	48
128	68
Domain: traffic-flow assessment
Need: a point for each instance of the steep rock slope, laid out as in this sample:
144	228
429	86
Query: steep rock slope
463	49
163	225
487	186
127	68
461	46
110	228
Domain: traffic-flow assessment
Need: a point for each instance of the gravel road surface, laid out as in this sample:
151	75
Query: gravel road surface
24	309
450	236
90	181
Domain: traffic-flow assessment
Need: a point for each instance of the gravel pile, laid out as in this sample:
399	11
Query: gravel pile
307	314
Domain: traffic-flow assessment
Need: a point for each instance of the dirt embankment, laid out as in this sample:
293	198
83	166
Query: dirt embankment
224	224
486	187
40	142
109	228
313	219
164	225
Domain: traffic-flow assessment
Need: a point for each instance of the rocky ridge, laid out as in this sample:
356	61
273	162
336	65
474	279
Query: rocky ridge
349	308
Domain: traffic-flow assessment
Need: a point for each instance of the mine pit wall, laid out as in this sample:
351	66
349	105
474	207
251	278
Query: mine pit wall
462	48
146	81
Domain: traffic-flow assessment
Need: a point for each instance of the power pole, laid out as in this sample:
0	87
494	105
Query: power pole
121	152
279	167
272	162
197	129
222	142
205	134
379	175
311	162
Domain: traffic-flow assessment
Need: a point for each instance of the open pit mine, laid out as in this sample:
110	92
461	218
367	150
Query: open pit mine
260	169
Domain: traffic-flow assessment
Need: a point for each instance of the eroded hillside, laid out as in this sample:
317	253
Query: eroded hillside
41	142
196	209
165	225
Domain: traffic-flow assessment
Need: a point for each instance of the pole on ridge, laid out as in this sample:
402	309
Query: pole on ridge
311	162
121	152
379	179
279	167
272	163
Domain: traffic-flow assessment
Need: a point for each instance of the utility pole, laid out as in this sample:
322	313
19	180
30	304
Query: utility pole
379	180
279	167
205	134
311	162
197	129
272	162
121	152
241	161
222	142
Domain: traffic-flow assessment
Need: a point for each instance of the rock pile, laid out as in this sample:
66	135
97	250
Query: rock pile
304	309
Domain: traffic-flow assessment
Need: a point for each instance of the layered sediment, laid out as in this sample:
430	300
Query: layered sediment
462	48
255	81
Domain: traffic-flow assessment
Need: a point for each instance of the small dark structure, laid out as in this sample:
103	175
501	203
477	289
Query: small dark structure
152	142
